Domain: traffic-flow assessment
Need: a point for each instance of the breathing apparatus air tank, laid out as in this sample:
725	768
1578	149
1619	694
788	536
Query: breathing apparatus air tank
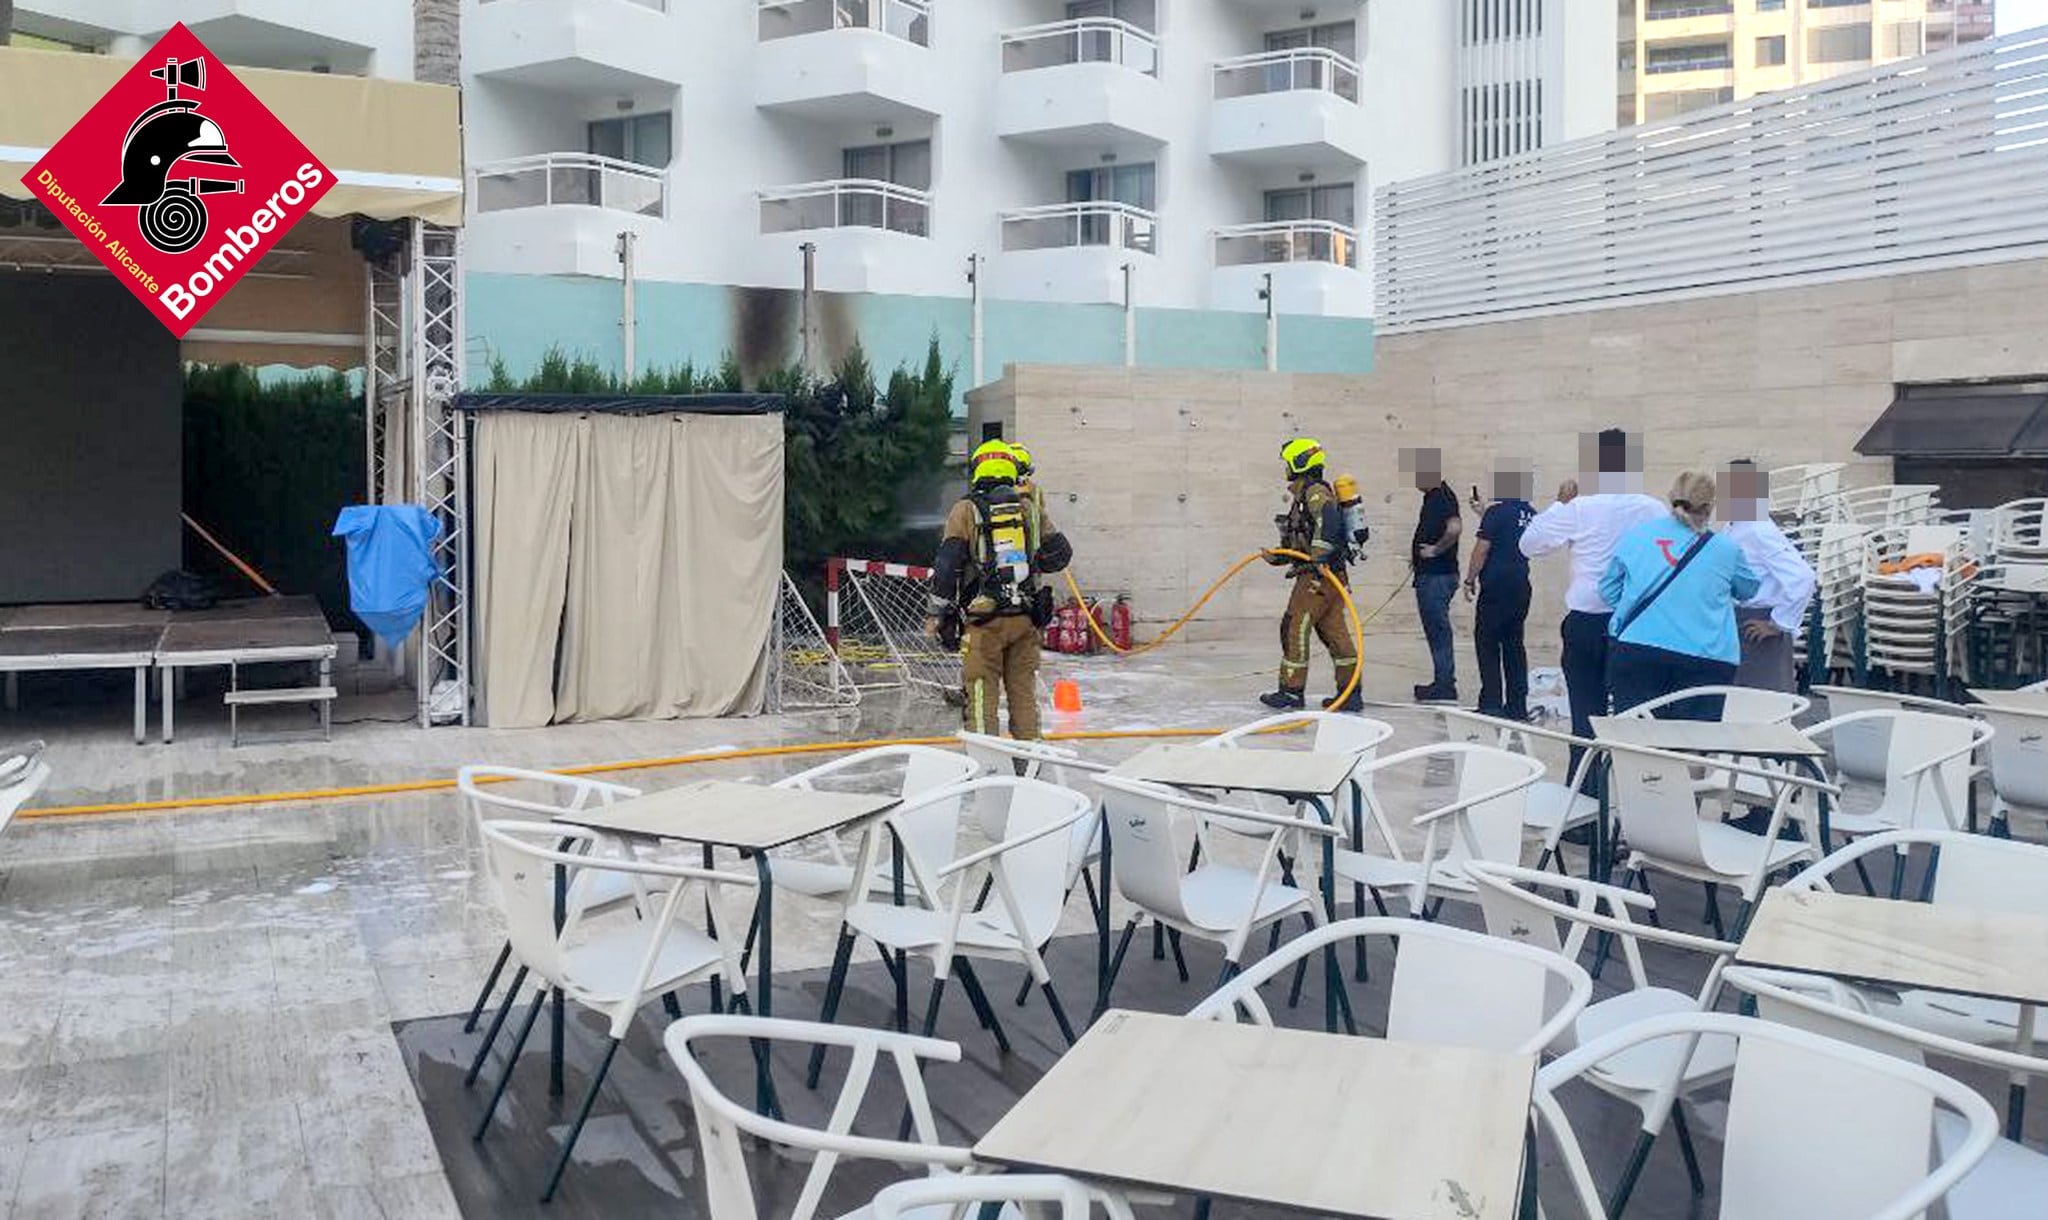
1355	528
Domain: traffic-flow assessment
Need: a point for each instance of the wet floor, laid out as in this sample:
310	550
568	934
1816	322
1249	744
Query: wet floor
197	1009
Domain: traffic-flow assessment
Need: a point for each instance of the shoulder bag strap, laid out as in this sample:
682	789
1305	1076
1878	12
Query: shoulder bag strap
1636	611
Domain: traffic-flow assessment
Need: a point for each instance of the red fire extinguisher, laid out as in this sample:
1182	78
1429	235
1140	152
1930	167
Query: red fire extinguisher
1120	622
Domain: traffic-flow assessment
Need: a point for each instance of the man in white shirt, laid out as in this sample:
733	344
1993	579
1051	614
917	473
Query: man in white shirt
1770	621
1588	525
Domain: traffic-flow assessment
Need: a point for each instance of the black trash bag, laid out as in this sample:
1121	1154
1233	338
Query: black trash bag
179	590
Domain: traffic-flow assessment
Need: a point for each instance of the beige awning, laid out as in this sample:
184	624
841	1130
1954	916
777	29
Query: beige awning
395	147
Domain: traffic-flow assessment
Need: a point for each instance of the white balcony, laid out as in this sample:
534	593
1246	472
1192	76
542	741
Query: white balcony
562	213
846	61
1074	252
1092	82
1288	109
1314	265
870	236
573	46
291	34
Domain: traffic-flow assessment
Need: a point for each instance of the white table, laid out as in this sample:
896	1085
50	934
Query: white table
1734	737
1308	776
752	819
2013	700
1992	955
1305	1121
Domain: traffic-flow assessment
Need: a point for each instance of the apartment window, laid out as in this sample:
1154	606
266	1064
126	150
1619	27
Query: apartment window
643	139
1659	107
1339	36
1136	185
1839	44
1336	204
1770	52
1485	21
1902	39
1835	3
1141	13
1501	120
1689	57
906	164
1770	6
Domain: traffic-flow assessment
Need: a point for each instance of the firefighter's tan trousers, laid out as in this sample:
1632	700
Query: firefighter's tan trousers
1001	656
1314	608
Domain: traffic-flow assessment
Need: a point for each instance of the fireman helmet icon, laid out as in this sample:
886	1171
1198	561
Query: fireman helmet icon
170	135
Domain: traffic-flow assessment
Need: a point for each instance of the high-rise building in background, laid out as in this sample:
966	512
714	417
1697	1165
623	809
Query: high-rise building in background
1184	152
1679	55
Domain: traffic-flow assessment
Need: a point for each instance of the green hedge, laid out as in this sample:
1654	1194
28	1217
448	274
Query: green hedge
268	465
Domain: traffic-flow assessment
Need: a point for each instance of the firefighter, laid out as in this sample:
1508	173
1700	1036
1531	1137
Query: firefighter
986	593
1314	526
1027	481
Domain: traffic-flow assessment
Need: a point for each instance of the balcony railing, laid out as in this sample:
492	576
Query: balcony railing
910	20
847	203
1281	71
659	6
1118	226
1721	61
1085	40
568	179
1707	8
1288	241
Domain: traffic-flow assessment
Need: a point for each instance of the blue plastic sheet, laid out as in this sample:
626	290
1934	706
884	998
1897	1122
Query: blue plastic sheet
390	564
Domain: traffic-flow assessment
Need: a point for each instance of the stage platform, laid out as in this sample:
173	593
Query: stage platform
42	638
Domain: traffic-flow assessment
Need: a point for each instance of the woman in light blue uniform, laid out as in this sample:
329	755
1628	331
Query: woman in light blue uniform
1674	584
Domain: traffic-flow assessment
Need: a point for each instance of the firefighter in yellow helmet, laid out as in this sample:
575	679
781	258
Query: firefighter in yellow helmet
1027	480
986	593
1314	526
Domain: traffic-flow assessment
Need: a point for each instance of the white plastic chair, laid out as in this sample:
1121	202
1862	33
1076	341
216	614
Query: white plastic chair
2011	1182
1151	829
1927	769
1975	872
1657	808
1817	1129
615	966
720	1120
2018	758
963	1198
1739	704
1860	752
1451	987
490	792
926	839
1554	809
1482	821
1053	764
22	774
1028	870
1518	908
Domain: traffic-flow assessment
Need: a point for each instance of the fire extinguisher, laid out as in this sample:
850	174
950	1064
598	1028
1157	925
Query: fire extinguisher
1100	613
1067	630
1120	622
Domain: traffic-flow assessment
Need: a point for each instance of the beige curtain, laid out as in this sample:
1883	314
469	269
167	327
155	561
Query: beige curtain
670	549
526	473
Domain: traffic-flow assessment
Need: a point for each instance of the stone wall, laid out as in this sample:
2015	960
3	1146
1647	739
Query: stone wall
1162	479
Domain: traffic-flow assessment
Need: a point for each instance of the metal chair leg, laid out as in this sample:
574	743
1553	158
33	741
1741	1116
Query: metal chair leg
483	995
970	982
1685	1148
1180	964
483	1053
540	999
582	1116
835	984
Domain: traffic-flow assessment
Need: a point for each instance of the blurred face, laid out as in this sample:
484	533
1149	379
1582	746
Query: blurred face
1513	484
1427	465
1609	466
1745	492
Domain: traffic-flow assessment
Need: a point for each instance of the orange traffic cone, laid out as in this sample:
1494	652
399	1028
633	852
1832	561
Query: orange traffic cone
1066	696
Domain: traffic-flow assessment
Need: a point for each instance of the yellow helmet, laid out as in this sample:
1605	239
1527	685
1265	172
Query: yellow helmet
1302	454
1022	457
995	460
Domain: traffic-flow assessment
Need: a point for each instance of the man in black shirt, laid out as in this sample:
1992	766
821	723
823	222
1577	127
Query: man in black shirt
1434	558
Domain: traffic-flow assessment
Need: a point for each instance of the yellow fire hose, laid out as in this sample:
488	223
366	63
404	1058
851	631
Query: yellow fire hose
1350	610
404	787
